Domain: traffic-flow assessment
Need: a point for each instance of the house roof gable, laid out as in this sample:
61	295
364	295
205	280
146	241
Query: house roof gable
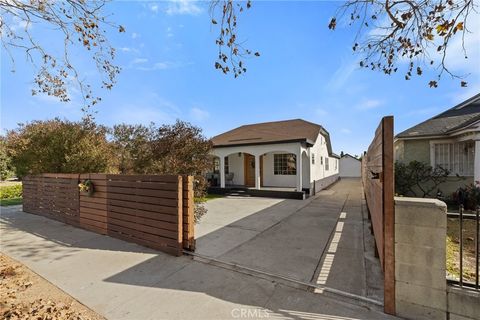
296	130
347	155
451	120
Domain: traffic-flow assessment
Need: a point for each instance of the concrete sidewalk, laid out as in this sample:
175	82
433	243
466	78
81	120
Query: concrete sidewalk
121	280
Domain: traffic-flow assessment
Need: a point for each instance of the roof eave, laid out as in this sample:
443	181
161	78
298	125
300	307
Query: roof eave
308	142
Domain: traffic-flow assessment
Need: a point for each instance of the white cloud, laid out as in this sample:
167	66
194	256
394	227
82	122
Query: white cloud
345	131
342	75
154	7
162	65
369	104
148	107
139	60
183	7
20	24
169	32
135	35
198	114
129	50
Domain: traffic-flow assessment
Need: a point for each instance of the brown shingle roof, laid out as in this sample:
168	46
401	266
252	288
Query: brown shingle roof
296	130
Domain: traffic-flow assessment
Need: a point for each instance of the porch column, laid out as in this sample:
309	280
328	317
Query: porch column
299	171
476	163
257	172
222	172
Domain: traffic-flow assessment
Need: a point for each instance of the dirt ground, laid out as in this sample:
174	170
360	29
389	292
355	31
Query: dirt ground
453	248
26	295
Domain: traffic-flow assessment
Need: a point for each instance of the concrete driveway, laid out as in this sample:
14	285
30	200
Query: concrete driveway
320	240
231	221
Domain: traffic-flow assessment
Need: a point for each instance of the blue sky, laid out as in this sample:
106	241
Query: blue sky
304	71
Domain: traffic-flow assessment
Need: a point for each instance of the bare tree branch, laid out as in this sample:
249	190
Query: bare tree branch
417	32
78	21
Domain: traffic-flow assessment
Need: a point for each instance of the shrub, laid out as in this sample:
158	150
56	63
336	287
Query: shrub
418	178
469	196
58	146
10	192
6	166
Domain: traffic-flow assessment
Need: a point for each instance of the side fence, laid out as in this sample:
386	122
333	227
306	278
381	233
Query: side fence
378	184
155	211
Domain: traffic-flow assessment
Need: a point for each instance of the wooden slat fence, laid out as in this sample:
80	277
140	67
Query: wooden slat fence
152	210
53	195
378	184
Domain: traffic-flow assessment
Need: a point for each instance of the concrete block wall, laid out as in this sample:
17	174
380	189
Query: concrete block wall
420	253
463	304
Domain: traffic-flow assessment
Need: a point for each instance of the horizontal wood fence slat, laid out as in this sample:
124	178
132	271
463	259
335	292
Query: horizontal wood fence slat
378	184
152	210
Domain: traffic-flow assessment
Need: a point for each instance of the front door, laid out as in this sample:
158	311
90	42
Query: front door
249	165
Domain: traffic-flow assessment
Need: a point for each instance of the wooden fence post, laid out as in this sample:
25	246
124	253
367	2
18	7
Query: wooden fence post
389	215
188	214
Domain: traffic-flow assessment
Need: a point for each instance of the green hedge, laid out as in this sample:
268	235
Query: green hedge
10	192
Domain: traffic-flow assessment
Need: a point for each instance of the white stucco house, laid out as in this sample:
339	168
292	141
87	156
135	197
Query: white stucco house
291	155
350	167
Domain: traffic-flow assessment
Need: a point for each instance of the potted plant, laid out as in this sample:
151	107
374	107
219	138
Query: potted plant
86	186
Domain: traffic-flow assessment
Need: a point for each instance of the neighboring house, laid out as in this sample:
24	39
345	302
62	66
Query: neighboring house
289	155
350	167
450	140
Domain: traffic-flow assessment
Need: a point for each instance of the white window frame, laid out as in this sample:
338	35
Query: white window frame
448	141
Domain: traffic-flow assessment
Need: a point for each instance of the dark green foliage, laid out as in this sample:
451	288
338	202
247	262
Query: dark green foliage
418	179
58	146
469	196
6	167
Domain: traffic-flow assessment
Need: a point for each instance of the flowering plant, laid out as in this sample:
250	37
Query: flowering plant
86	186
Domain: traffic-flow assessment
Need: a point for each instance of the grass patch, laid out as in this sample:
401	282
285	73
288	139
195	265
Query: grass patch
209	197
453	248
10	202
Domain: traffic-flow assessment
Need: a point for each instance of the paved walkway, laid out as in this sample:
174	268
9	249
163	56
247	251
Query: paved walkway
122	280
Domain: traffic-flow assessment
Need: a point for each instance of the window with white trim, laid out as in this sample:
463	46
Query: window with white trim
326	164
313	158
284	164
458	157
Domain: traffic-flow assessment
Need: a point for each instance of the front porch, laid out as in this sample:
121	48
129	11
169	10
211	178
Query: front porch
271	168
270	192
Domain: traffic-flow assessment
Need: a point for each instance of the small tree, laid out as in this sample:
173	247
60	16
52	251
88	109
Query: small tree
132	147
58	146
181	148
6	166
418	178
